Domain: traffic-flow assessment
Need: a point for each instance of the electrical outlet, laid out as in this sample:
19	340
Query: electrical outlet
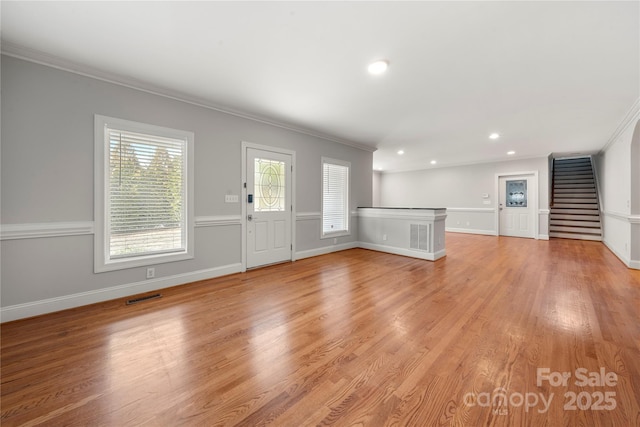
384	237
151	273
335	240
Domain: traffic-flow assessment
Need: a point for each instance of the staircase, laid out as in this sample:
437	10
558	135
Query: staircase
575	213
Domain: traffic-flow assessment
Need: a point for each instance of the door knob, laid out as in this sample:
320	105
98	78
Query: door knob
249	217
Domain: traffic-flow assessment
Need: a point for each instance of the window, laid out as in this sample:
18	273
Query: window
335	197
144	187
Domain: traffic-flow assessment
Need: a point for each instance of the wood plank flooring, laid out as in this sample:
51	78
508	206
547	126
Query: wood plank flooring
355	338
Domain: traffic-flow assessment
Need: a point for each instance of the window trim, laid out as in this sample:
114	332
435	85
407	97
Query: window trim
338	233
102	260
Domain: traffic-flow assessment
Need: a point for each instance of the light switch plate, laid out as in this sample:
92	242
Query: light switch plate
231	198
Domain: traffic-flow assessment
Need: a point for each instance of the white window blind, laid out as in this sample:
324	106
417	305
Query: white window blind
144	194
335	197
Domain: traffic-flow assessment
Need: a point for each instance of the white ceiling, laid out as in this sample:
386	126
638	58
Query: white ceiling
547	76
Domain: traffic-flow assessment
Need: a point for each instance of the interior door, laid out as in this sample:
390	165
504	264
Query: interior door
269	207
517	214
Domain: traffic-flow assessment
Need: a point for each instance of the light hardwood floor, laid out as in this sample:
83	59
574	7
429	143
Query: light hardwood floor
351	338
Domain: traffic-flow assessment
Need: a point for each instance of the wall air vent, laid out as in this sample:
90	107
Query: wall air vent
420	237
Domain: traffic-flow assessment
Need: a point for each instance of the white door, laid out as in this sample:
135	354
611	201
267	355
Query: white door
517	210
269	207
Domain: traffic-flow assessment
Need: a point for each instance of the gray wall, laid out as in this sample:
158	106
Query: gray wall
460	189
618	168
47	178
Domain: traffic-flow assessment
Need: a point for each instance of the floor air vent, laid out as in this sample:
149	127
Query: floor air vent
144	298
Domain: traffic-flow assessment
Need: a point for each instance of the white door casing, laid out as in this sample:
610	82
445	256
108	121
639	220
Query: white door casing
267	205
517	205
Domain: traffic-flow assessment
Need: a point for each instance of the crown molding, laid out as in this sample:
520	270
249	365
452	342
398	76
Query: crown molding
632	115
32	55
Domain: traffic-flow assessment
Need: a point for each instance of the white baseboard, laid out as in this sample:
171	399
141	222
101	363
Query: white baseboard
543	237
21	311
325	250
470	231
429	256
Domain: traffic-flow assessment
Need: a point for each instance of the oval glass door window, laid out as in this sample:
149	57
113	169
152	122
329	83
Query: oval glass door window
269	186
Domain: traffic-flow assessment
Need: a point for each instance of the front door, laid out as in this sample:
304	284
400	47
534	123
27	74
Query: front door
269	207
517	213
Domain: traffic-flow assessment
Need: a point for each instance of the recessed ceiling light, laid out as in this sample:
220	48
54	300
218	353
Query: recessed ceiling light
511	153
378	67
401	152
433	162
494	136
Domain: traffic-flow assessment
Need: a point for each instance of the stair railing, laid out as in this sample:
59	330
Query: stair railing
553	184
598	193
